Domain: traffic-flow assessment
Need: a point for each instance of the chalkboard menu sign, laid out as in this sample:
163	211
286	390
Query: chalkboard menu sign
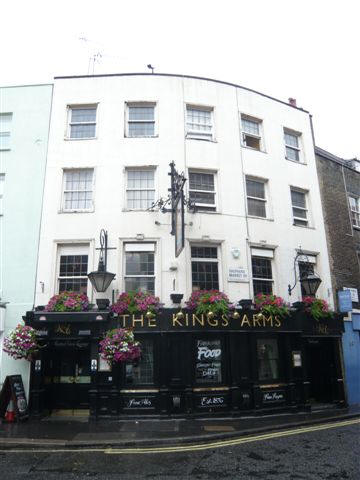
13	389
208	361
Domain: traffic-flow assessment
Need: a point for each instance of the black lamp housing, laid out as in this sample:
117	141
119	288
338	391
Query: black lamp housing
309	281
101	279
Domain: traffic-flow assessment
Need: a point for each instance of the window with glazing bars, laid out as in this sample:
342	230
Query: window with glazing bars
256	201
202	190
141	120
199	122
5	122
292	146
140	189
78	189
139	268
355	211
298	200
262	275
142	373
204	268
82	122
251	133
73	273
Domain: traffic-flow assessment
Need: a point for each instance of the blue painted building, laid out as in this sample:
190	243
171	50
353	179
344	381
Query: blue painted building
24	126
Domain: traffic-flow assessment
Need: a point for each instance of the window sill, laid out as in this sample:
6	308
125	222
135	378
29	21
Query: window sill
141	136
304	226
260	218
295	161
191	137
254	149
206	211
137	210
68	139
77	211
5	149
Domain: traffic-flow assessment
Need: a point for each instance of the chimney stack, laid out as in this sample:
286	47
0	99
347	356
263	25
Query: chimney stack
292	102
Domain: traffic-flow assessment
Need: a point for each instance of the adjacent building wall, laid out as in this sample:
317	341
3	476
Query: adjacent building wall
340	179
22	165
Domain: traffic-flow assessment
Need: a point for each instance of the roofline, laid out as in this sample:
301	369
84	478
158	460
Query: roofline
28	85
181	76
334	158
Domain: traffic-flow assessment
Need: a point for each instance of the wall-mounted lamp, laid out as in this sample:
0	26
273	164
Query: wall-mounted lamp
309	280
101	279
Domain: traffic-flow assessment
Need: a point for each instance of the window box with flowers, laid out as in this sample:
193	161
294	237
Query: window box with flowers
317	308
68	302
271	305
137	302
21	343
211	303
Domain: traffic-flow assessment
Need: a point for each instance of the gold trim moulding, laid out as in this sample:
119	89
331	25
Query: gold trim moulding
274	385
153	390
210	389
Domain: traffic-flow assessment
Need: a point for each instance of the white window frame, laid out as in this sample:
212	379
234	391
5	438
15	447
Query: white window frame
88	106
216	260
205	205
245	134
354	205
6	132
70	210
127	189
65	249
133	246
264	200
140	104
306	209
298	149
265	254
2	188
197	134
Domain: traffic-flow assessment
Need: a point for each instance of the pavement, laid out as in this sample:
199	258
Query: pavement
79	432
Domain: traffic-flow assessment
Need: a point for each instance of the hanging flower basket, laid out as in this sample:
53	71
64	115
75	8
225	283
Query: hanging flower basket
119	345
317	308
21	343
136	302
68	302
209	302
271	305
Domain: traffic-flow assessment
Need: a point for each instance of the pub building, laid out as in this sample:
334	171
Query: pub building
244	363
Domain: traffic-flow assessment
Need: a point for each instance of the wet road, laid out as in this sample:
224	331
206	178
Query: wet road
331	453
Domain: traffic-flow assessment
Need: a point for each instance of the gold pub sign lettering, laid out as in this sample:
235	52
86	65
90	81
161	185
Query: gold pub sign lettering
256	320
63	329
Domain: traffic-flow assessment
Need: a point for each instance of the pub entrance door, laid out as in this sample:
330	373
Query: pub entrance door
321	369
70	378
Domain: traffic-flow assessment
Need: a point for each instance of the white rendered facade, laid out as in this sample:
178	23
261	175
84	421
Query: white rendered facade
230	139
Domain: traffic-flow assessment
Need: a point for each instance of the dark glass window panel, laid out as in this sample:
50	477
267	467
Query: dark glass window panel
142	373
252	142
202	197
141	129
73	265
205	275
302	223
298	212
83	114
292	154
255	189
82	131
298	199
139	263
256	208
201	181
74	284
145	284
203	252
141	113
268	359
261	267
262	286
208	361
291	140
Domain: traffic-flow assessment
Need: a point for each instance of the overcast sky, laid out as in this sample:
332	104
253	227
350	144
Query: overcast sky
306	49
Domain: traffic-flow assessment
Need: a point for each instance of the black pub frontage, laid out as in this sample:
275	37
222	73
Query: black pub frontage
190	364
